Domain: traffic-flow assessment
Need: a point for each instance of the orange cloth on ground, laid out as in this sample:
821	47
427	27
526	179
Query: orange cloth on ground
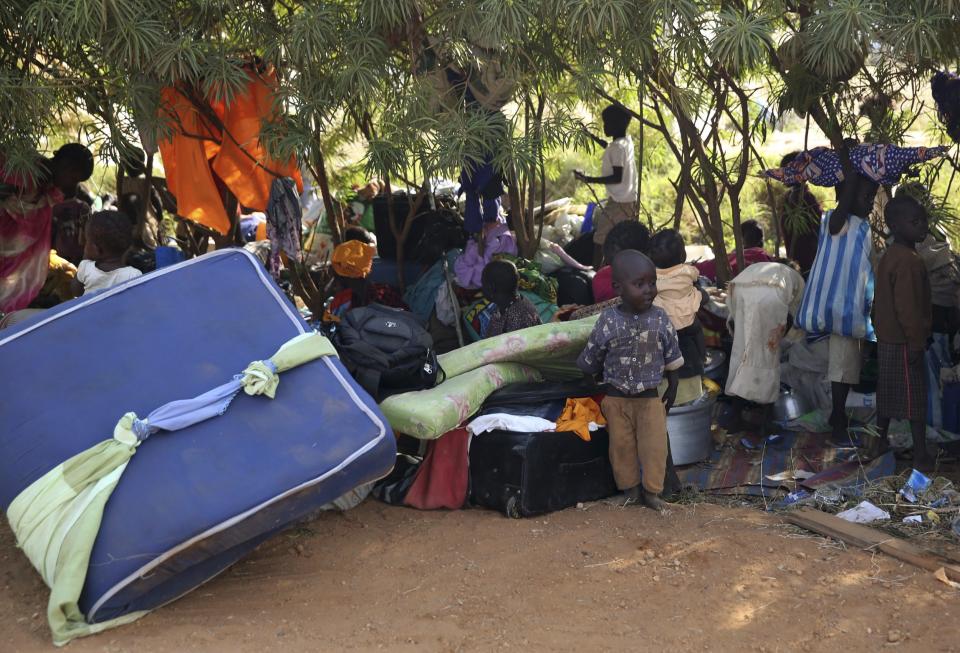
190	162
678	295
353	259
243	118
577	414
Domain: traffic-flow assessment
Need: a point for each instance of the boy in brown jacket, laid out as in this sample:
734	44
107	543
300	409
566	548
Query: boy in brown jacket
902	319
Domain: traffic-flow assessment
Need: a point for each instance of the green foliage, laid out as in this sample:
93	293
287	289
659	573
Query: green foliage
742	39
363	83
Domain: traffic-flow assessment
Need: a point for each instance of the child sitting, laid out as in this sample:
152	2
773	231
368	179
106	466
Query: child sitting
753	252
633	346
513	312
107	237
630	234
902	319
681	298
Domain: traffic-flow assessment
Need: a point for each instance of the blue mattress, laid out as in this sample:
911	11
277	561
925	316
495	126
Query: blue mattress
194	501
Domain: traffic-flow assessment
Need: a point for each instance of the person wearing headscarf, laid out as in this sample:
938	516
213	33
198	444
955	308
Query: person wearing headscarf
353	259
352	262
881	163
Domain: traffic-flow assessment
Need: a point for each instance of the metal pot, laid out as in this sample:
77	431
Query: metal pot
789	406
689	429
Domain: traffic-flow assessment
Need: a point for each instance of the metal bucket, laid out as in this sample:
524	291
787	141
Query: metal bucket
689	429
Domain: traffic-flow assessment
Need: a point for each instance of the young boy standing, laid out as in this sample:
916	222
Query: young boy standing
632	347
619	173
902	319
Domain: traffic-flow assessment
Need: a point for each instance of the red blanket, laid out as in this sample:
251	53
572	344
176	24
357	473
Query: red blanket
442	478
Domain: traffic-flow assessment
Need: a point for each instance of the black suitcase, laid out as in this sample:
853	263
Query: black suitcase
524	474
544	399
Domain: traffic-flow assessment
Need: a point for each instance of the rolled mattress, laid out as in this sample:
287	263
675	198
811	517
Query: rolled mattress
190	502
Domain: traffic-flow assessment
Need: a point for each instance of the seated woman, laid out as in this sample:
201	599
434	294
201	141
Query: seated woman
629	234
107	237
352	261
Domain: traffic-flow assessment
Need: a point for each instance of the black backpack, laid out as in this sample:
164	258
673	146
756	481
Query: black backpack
386	350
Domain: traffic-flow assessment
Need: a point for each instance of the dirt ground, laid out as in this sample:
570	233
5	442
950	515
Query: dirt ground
602	577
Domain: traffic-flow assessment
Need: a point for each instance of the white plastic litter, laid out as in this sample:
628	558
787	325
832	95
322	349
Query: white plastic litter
864	513
791	475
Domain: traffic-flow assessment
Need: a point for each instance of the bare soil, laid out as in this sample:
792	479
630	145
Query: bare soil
601	577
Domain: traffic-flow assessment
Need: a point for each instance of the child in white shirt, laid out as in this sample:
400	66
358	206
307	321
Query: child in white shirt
107	237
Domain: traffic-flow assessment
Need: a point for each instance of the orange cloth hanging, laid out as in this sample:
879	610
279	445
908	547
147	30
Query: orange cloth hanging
186	164
190	162
577	415
243	119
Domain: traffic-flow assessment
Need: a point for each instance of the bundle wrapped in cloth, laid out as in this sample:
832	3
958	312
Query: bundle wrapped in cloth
880	162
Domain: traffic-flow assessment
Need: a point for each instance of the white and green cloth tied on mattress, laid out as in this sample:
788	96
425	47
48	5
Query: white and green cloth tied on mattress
56	519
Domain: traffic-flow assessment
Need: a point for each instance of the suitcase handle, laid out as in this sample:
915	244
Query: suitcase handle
570	468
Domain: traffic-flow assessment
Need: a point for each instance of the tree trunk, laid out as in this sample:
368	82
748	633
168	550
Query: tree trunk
775	213
401	233
640	144
543	204
737	236
514	193
719	250
525	243
232	237
320	173
394	229
682	187
539	174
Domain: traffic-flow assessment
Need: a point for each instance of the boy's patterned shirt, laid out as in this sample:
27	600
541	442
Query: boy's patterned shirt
632	350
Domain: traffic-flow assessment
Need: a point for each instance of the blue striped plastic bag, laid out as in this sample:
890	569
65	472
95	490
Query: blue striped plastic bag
838	296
